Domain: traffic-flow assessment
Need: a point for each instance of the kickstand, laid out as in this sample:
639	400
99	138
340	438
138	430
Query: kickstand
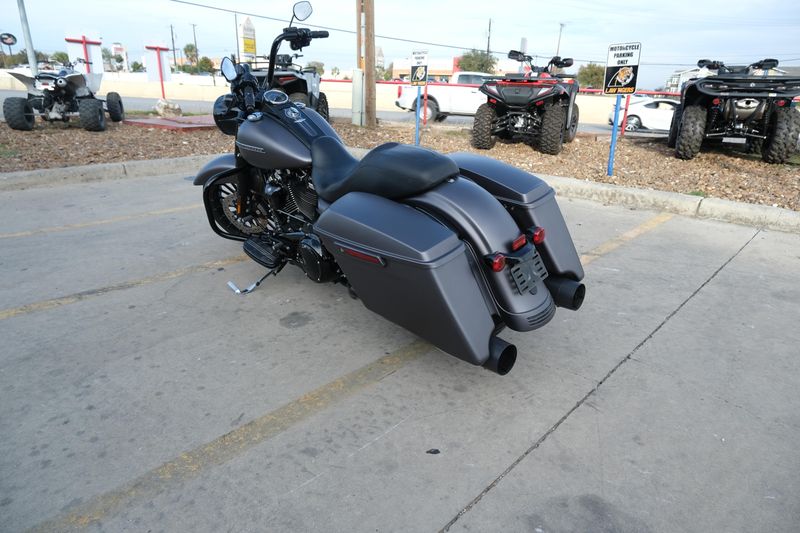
254	286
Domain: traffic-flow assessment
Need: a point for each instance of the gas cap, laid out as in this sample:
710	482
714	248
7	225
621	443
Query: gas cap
255	117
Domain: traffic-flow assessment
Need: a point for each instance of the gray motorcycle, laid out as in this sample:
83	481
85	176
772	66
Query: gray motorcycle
453	248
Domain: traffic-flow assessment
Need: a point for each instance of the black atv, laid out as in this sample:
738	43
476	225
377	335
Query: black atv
738	102
537	107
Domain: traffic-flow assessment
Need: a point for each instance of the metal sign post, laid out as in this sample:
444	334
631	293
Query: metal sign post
419	78
622	69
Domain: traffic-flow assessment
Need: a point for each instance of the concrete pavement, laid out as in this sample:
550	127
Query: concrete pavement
139	393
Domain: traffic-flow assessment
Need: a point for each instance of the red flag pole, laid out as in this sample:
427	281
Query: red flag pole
625	116
158	50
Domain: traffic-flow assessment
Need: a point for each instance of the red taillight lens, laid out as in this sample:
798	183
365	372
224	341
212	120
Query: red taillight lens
537	236
399	90
497	261
518	243
780	103
716	101
369	258
492	101
540	102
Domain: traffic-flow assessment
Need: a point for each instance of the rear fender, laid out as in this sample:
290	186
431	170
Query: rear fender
482	222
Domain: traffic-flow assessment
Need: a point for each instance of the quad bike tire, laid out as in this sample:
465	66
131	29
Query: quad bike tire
672	137
431	109
322	107
92	116
572	130
691	132
482	137
551	138
782	143
116	111
301	98
19	113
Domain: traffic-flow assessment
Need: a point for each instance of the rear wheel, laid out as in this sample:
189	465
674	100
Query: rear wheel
691	132
485	118
93	118
633	123
116	111
572	131
551	139
782	142
428	111
19	113
322	107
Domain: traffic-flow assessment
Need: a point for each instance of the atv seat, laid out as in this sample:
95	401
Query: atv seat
391	170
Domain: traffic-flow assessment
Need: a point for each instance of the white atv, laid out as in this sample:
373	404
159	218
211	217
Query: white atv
59	96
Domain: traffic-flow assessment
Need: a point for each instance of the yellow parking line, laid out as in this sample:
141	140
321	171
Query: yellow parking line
81	225
616	242
192	463
80	296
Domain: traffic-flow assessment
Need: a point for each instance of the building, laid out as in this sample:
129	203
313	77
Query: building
118	50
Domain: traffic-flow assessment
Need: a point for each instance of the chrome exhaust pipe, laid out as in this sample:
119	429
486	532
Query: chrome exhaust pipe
502	356
566	292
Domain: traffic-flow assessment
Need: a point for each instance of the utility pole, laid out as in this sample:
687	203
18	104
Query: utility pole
370	118
26	32
174	52
360	34
196	51
489	39
236	23
560	29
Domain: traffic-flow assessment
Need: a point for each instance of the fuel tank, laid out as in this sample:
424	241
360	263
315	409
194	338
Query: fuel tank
281	135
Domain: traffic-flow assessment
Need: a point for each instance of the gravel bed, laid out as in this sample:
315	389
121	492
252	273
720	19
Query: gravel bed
721	172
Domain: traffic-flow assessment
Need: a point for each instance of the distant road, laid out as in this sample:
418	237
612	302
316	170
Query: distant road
198	106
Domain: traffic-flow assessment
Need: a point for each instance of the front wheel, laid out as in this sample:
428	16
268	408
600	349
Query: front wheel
237	214
673	127
691	132
428	111
572	131
322	107
116	111
782	142
482	137
93	118
19	113
633	123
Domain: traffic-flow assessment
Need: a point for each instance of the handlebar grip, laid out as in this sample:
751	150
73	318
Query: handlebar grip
249	99
319	34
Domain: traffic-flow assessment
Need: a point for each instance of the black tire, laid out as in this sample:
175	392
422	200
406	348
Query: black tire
432	110
779	146
551	138
691	132
672	138
19	113
93	118
116	111
572	130
440	117
482	137
322	107
754	146
299	98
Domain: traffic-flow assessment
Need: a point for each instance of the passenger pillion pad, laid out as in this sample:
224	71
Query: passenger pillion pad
391	170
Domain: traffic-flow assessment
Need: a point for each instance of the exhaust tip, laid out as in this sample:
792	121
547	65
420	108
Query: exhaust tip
566	293
502	356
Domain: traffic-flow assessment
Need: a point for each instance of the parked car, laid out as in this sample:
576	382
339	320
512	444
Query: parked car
647	113
460	96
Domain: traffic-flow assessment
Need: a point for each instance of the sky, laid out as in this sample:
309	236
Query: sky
674	35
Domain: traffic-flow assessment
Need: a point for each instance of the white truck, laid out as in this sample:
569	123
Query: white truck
460	96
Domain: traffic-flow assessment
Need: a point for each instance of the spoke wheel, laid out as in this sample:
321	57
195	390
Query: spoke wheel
239	215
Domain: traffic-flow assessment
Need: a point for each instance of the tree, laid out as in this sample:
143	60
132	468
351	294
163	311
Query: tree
107	58
319	65
60	57
591	75
205	65
387	73
335	72
191	53
137	67
477	61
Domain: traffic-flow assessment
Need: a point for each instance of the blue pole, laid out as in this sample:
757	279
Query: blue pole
416	132
610	171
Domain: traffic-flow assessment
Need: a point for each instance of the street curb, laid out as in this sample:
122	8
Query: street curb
671	202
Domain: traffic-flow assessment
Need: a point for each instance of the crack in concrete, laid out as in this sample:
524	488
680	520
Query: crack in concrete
592	391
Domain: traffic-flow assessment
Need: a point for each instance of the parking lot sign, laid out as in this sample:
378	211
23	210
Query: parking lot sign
622	68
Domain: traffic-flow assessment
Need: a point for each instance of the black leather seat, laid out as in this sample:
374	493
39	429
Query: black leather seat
391	170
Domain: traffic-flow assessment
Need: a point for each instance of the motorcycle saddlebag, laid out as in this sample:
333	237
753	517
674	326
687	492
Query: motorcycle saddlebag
410	269
531	202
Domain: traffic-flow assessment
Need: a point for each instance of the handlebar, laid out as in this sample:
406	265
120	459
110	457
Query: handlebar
249	99
319	34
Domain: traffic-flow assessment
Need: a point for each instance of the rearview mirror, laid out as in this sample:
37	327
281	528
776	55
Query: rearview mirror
516	55
565	63
302	10
766	64
228	69
703	63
